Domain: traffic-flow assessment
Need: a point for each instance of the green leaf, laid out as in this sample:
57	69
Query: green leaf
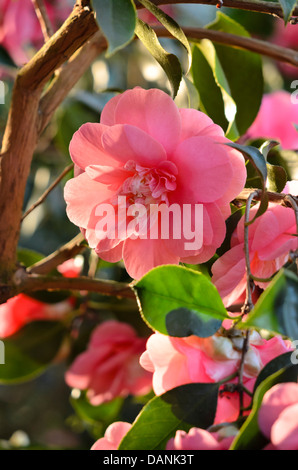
277	178
178	409
5	58
117	20
275	365
178	301
287	8
250	436
170	25
29	352
277	308
235	76
169	62
259	163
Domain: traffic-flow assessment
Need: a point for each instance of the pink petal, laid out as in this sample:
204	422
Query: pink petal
82	195
195	123
204	170
126	142
113	436
277	398
195	439
140	256
284	432
154	112
86	146
107	116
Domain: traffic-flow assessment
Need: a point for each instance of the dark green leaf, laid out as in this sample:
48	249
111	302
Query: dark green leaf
243	71
187	292
117	20
171	25
277	308
183	322
277	178
178	409
31	350
258	161
276	364
287	8
5	58
169	62
233	74
267	146
250	436
211	100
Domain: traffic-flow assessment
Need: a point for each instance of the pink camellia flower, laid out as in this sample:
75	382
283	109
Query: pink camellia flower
20	28
22	309
113	436
275	120
110	366
271	238
201	439
179	361
151	155
286	36
278	416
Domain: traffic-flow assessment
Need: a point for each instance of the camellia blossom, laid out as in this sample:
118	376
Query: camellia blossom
271	238
110	366
149	154
113	436
276	118
278	416
201	439
179	361
22	309
286	36
20	28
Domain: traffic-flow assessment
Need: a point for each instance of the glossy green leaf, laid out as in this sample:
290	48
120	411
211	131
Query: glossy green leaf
29	351
287	8
250	436
235	76
178	301
178	409
259	163
117	20
277	178
171	25
277	308
275	365
169	62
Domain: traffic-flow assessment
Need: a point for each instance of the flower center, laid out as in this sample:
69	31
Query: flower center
149	185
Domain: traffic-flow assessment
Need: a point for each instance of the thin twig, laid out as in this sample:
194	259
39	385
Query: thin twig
260	6
273	51
47	192
67	251
43	18
32	283
248	305
245	348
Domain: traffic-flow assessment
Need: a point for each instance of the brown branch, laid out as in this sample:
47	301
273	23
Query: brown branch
277	198
43	18
47	192
67	251
259	6
22	129
279	53
31	283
